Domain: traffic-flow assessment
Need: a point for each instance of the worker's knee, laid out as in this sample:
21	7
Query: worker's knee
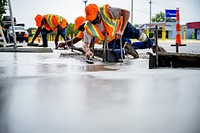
143	37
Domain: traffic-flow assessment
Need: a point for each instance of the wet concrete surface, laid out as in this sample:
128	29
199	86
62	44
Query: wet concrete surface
47	93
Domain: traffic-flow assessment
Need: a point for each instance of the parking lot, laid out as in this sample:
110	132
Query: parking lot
47	93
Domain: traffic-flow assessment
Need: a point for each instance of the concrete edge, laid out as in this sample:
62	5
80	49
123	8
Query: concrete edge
23	49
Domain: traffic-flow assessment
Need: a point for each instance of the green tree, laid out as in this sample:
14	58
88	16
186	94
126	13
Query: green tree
70	28
159	17
3	4
30	31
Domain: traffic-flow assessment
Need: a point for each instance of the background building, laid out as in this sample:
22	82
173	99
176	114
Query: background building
196	27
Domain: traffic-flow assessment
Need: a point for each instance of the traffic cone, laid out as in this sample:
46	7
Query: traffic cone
178	29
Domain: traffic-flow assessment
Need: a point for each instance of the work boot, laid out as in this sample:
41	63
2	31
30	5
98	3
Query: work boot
129	50
43	45
160	49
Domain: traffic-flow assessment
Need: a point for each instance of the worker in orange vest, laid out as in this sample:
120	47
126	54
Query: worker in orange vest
49	23
108	20
80	23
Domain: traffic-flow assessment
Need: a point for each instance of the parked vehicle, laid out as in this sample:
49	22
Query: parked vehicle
6	21
21	34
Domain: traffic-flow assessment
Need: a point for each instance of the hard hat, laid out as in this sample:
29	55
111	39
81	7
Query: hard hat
79	21
38	20
91	11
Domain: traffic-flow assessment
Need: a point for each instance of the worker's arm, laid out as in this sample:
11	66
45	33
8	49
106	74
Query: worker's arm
73	41
78	37
89	54
87	39
36	34
126	15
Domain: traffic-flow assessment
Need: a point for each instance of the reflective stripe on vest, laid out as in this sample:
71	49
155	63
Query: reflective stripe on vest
94	31
98	41
49	20
112	23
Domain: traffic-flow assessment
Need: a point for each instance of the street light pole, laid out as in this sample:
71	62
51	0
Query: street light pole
150	10
12	23
131	11
85	1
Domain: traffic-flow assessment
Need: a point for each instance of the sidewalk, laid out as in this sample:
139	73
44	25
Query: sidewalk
24	48
171	41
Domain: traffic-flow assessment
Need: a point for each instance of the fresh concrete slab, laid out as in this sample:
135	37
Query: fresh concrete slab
26	49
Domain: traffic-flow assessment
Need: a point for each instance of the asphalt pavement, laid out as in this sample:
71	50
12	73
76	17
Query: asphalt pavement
49	93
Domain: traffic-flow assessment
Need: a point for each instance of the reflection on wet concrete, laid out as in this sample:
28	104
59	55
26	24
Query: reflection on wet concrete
98	68
3	110
50	94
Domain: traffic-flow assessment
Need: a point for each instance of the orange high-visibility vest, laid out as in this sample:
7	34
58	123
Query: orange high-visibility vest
111	25
81	34
53	21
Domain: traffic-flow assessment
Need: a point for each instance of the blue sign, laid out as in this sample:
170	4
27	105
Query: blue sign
170	13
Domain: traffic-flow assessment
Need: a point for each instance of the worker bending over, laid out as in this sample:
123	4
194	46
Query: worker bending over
114	22
49	23
80	23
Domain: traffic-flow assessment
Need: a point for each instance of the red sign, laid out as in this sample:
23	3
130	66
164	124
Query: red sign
193	25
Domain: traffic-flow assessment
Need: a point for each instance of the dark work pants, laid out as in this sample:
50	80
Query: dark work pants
44	33
132	33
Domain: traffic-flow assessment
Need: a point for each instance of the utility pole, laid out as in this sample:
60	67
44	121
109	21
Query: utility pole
12	24
131	11
85	2
150	10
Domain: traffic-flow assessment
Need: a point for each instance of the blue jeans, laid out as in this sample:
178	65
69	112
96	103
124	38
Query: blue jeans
139	45
115	46
63	34
133	33
136	45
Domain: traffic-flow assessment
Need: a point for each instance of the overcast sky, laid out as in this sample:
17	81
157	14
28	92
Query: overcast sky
25	10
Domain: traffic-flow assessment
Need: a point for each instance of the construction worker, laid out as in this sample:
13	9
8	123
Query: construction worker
80	23
114	21
49	23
